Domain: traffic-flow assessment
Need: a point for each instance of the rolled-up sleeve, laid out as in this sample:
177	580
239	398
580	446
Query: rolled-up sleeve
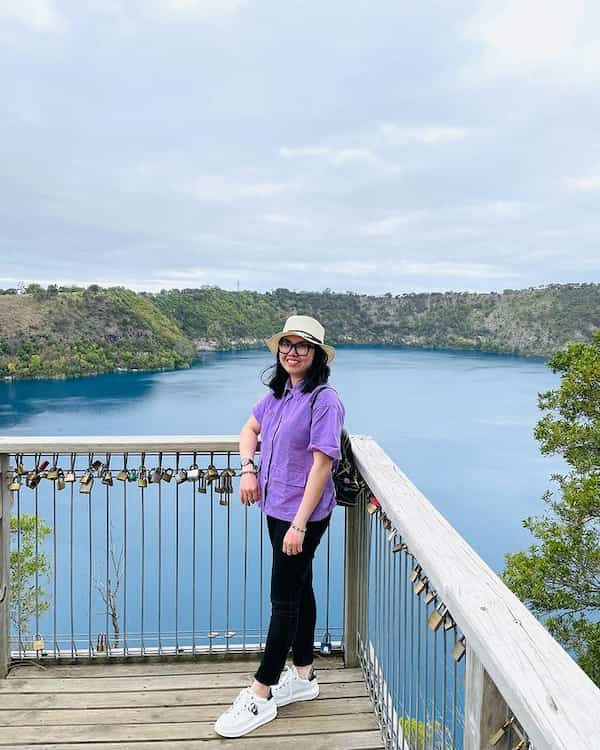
258	410
326	425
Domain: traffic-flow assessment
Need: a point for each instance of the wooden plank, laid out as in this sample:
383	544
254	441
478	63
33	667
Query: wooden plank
182	731
5	511
119	444
364	740
115	700
352	579
154	682
103	669
174	714
554	700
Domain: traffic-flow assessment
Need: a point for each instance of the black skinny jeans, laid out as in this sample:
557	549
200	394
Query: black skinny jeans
293	606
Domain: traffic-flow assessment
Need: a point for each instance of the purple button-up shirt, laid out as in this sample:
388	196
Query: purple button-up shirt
288	438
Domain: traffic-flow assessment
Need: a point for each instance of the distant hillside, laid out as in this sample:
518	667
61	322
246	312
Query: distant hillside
64	331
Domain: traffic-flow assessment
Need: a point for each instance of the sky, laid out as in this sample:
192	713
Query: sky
377	146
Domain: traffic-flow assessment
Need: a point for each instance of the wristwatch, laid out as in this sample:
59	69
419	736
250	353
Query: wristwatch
246	461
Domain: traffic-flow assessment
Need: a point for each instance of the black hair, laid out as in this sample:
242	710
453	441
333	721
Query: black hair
317	374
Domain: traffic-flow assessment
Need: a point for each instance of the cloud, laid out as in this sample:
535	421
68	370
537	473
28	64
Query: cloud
391	224
220	189
519	35
38	15
584	184
400	135
338	157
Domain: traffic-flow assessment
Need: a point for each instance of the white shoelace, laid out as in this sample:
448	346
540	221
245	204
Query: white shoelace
243	702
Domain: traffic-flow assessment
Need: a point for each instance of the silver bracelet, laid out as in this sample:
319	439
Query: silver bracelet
297	528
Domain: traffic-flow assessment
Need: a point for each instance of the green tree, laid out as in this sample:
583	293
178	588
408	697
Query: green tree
27	597
559	577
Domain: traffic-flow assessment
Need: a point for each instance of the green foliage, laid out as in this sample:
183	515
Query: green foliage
65	331
559	576
419	734
27	566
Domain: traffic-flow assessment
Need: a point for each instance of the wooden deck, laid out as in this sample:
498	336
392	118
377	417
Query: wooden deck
173	705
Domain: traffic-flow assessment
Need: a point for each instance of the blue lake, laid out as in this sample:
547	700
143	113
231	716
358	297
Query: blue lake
459	424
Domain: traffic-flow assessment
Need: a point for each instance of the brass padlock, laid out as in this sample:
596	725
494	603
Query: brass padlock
202	482
430	596
459	649
167	474
52	473
436	618
142	477
87	480
123	475
38	643
33	479
60	480
497	736
15	483
415	574
212	473
223	499
420	586
229	473
107	477
448	622
70	476
520	745
21	470
220	484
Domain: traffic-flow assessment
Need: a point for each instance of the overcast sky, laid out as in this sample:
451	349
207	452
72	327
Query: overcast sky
358	145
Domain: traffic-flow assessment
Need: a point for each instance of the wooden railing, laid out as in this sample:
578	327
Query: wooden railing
402	561
515	672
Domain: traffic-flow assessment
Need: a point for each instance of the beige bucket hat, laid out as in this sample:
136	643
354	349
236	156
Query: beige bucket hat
307	327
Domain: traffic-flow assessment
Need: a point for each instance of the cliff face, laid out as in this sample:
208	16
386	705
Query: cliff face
75	332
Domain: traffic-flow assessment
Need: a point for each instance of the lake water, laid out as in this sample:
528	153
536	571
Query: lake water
459	424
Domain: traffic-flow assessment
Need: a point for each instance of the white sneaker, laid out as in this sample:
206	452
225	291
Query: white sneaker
291	687
247	712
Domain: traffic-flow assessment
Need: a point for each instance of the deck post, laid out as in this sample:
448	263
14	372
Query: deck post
351	587
485	709
5	509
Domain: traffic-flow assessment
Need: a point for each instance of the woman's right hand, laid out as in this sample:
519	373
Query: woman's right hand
249	488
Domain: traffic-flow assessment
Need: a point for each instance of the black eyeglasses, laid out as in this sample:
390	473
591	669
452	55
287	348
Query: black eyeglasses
301	348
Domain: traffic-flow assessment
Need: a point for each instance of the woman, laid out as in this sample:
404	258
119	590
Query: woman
300	439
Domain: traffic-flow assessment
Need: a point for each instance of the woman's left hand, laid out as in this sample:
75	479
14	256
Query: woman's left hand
292	542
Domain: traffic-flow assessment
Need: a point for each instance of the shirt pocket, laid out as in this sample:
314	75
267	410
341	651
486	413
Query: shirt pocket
290	473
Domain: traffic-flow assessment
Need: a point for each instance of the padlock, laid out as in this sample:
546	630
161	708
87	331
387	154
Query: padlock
70	475
107	477
123	475
520	745
155	475
142	480
15	483
60	480
52	473
448	622
33	479
167	474
193	473
87	480
223	499
419	586
38	643
415	574
220	484
436	617
497	736
399	547
202	482
326	644
43	466
430	596
132	475
371	507
97	465
181	476
211	473
21	470
228	475
459	649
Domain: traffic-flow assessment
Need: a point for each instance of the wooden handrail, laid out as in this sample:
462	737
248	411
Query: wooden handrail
554	700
